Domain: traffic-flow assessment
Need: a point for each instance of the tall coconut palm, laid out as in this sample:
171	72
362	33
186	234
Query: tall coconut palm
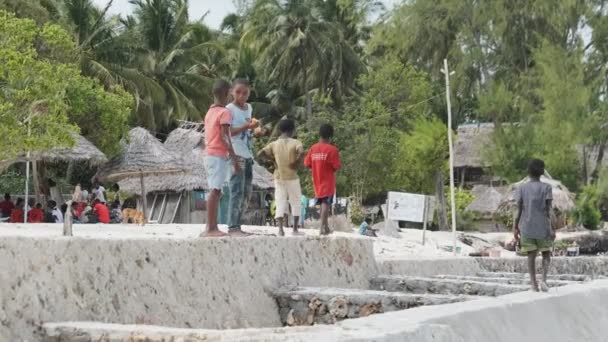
171	52
157	54
294	46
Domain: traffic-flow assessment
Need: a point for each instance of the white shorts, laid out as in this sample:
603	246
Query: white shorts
218	169
287	192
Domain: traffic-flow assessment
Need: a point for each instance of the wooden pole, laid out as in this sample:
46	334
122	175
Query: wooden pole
451	150
425	219
68	220
144	200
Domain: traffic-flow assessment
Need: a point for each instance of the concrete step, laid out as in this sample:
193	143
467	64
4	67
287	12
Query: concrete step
503	280
315	305
512	275
442	286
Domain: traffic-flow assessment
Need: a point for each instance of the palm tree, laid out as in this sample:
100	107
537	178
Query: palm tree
174	54
161	57
295	48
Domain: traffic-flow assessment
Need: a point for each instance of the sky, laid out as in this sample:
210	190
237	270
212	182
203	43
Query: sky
218	9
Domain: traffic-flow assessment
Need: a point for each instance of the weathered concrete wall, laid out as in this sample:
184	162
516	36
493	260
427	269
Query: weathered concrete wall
421	285
203	283
570	313
314	305
592	266
429	267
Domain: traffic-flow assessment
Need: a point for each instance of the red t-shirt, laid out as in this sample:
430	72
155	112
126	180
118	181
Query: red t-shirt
324	160
35	216
6	207
16	216
216	117
102	213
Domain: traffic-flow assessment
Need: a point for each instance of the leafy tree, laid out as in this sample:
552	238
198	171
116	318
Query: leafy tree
421	153
43	96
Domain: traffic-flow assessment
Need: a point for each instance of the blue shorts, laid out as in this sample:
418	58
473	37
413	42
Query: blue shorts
218	171
328	200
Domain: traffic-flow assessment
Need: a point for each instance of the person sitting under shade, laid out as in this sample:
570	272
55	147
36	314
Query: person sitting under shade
101	211
17	212
36	215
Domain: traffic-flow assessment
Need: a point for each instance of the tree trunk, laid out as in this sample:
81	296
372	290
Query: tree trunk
442	212
585	168
306	90
599	161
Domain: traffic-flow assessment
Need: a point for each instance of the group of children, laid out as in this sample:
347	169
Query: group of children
19	211
85	208
228	135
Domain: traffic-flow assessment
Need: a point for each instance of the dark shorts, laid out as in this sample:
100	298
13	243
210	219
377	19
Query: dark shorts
327	200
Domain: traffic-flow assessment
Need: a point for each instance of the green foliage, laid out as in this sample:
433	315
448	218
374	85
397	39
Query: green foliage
356	212
464	219
44	98
421	153
12	182
33	108
587	208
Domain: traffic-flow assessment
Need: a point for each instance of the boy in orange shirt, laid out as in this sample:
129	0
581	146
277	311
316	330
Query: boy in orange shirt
220	154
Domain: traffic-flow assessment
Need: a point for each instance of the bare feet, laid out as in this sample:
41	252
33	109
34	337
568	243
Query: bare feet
238	233
213	234
281	232
297	233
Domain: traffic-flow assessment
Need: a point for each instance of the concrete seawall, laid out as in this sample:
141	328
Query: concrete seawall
179	282
571	313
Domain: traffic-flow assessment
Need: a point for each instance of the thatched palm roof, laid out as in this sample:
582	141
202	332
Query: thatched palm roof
487	199
563	199
469	145
83	150
189	143
144	154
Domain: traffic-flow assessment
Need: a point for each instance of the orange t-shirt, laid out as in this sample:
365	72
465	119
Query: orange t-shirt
215	118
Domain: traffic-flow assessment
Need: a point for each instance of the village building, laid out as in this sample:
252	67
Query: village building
181	197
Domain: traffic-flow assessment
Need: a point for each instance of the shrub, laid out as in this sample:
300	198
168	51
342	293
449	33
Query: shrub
464	219
587	208
356	212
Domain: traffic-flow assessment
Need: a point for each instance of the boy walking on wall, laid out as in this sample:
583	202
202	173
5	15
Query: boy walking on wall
287	154
533	222
220	154
324	160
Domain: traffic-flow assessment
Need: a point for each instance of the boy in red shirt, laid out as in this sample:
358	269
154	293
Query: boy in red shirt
36	215
324	160
220	154
102	211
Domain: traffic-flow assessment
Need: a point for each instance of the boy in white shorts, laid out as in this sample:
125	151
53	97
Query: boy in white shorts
287	154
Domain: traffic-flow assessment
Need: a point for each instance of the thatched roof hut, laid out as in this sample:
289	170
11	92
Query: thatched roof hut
82	151
143	155
470	142
188	144
563	199
487	199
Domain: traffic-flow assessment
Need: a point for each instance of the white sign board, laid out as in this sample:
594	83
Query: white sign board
406	207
